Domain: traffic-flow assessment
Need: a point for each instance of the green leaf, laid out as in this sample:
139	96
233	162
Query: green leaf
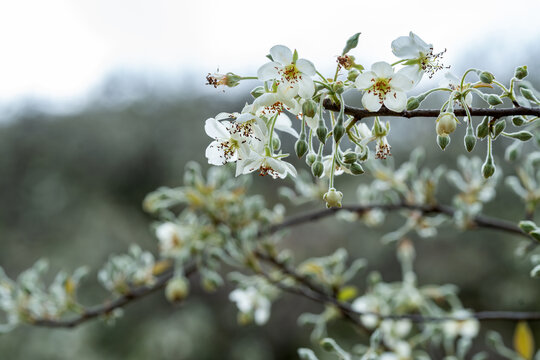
523	340
351	43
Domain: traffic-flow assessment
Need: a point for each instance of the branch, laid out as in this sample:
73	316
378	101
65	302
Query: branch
496	113
107	308
480	221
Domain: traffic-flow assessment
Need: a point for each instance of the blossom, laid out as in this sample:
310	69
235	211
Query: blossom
446	124
369	306
419	55
171	237
378	133
266	165
293	75
383	86
454	83
467	328
250	302
230	140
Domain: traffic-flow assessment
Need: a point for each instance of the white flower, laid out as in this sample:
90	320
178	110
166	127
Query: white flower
419	55
467	328
266	165
383	86
171	237
249	301
294	77
231	140
367	304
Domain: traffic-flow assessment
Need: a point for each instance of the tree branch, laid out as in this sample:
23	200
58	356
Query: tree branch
496	113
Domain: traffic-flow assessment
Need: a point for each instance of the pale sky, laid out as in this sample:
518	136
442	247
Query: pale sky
60	50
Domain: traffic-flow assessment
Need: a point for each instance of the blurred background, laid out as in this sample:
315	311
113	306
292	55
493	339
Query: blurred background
102	102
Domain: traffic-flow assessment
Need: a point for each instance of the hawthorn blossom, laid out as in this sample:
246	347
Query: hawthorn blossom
383	86
250	302
419	56
292	75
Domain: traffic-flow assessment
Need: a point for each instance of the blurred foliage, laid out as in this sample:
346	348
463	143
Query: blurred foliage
72	187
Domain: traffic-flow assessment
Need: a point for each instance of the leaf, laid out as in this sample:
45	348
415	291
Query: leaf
523	340
351	43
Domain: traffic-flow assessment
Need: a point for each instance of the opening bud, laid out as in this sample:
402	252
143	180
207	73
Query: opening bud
333	198
301	147
349	158
413	103
338	87
443	141
309	108
177	289
446	124
521	72
352	75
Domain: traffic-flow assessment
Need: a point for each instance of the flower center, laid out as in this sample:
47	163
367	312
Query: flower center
290	73
381	87
228	148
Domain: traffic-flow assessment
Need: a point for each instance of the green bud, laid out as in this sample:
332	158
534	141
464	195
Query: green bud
521	135
338	87
300	147
527	226
443	141
258	91
521	72
352	75
356	169
177	289
413	103
309	108
528	94
482	129
498	128
493	100
518	120
488	169
317	169
276	143
535	234
310	158
231	79
486	77
322	131
339	131
349	158
470	139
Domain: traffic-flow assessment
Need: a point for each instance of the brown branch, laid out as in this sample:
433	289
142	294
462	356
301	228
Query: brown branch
107	308
496	113
479	221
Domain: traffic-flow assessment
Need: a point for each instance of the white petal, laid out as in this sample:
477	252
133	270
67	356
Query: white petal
288	90
215	129
396	101
214	155
403	47
306	67
266	99
306	87
414	73
269	71
313	122
365	80
281	54
401	82
382	69
421	44
283	123
371	102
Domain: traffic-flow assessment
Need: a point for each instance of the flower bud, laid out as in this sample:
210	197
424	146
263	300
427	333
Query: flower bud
528	94
349	158
470	139
317	169
309	108
488	169
413	103
177	289
300	147
258	91
521	72
498	128
356	169
518	120
493	100
333	198
338	131
486	77
446	123
482	129
352	75
322	131
535	234
310	158
443	141
520	135
276	143
527	226
338	87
